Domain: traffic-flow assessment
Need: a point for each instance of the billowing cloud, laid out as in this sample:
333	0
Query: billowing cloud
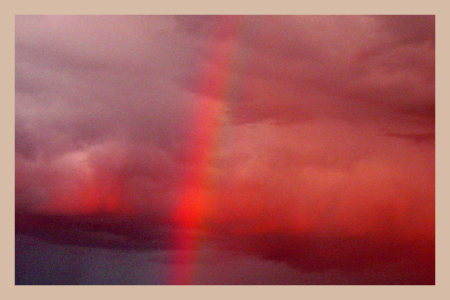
317	125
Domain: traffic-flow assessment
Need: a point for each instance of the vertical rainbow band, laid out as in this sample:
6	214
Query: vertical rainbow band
194	199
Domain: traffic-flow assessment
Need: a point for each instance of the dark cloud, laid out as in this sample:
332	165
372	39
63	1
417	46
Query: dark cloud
428	137
410	28
257	124
320	65
306	253
319	254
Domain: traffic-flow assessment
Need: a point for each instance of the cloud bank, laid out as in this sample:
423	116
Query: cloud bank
249	124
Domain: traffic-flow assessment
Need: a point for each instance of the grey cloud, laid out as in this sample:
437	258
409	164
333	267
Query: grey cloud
297	98
75	100
47	57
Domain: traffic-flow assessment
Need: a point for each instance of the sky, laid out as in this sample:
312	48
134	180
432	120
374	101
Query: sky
320	125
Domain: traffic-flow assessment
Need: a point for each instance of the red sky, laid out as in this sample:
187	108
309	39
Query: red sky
250	123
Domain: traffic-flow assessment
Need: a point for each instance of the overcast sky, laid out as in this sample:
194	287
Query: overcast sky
250	123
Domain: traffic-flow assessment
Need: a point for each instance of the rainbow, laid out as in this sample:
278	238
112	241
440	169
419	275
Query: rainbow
194	198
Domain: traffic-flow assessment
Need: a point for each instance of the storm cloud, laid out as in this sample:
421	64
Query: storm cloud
245	124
